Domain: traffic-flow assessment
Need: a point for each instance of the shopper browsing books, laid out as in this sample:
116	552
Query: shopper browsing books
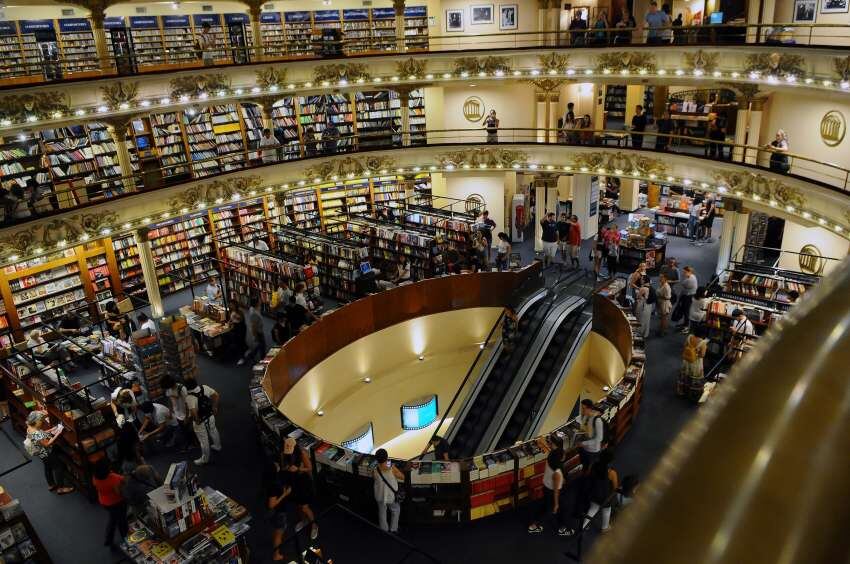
698	309
503	251
643	308
693	354
553	483
593	431
280	330
268	145
49	353
296	471
108	485
213	290
688	285
275	493
665	304
602	483
298	315
39	444
742	329
176	394
146	323
202	403
387	481
255	336
157	424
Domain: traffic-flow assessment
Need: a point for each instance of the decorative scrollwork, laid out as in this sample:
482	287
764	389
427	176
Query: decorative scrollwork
627	162
271	76
18	107
841	66
474	65
753	184
701	61
553	62
119	93
355	166
411	67
489	156
209	192
340	71
618	61
199	83
775	63
746	92
28	240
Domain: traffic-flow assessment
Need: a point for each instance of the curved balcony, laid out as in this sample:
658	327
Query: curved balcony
812	191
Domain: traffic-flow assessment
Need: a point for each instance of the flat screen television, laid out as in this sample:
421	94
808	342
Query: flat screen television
716	18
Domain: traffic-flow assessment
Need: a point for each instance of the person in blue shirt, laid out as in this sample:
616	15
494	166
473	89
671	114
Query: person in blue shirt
656	21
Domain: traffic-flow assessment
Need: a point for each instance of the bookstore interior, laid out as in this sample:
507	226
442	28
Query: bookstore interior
366	315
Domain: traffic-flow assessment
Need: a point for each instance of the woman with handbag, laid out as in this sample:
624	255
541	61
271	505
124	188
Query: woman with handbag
388	492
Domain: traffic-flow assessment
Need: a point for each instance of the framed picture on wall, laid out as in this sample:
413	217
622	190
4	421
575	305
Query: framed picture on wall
805	11
508	16
454	20
833	6
481	14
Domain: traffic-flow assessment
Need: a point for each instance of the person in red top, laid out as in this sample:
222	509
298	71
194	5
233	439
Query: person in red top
108	486
574	241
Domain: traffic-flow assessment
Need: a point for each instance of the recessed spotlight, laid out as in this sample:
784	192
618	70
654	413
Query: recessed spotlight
320	412
421	357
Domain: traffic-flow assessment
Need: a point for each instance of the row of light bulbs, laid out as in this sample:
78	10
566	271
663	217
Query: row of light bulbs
307	182
104	109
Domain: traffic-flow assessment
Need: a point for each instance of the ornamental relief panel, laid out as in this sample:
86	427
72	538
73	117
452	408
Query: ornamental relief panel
489	156
628	163
17	107
756	186
209	192
355	166
48	234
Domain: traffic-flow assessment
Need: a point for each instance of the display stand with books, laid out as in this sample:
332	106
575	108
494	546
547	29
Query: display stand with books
208	322
178	347
18	540
151	361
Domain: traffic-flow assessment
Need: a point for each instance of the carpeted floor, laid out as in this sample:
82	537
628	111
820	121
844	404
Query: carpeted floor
72	528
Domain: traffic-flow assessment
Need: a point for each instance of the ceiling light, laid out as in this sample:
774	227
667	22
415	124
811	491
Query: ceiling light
164	101
367	380
421	357
319	412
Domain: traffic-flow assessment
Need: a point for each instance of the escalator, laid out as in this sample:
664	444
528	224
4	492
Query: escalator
540	390
474	416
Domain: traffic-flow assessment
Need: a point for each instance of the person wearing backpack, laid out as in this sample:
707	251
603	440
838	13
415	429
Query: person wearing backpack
602	483
387	483
202	404
692	359
593	430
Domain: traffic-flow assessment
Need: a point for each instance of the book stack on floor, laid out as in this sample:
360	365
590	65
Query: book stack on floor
178	346
151	362
18	540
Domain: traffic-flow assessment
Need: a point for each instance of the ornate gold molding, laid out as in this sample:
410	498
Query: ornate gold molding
18	107
625	162
625	60
841	66
411	67
340	71
199	83
489	156
355	166
701	61
118	93
553	62
50	233
775	63
271	76
545	84
474	65
209	192
757	187
746	92
97	9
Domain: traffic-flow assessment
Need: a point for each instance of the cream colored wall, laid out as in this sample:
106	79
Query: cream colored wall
597	364
185	7
580	94
449	341
490	186
527	21
784	13
22	10
795	236
514	105
435	114
800	116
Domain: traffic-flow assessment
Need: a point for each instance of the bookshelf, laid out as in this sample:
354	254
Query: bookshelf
338	261
18	538
71	160
40	295
202	142
298	32
182	249
218	36
250	273
378	118
11	52
79	53
151	363
339	200
251	216
238	37
105	152
356	29
325	19
300	209
615	100
316	111
387	242
416	28
383	29
34	60
274	39
178	346
388	191
22	162
178	41
765	283
167	133
416	107
252	119
148	41
285	123
129	268
227	136
100	280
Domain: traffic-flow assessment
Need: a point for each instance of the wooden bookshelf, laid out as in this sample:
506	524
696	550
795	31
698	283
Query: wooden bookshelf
356	29
300	209
378	118
274	39
22	162
127	260
416	28
252	273
298	33
201	139
252	126
317	111
20	539
228	137
383	35
615	101
178	41
148	42
285	123
11	52
79	54
182	250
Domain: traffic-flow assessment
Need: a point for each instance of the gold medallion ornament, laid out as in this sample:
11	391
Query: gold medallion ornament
833	127
473	109
811	260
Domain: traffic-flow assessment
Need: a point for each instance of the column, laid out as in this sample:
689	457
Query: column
727	237
542	21
398	5
739	238
438	184
554	15
583	195
539	213
741	123
106	64
255	7
547	100
565	187
149	272
118	131
754	130
404	108
634	96
629	194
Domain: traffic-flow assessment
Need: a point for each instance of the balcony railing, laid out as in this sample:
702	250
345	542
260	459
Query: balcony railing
56	201
58	68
